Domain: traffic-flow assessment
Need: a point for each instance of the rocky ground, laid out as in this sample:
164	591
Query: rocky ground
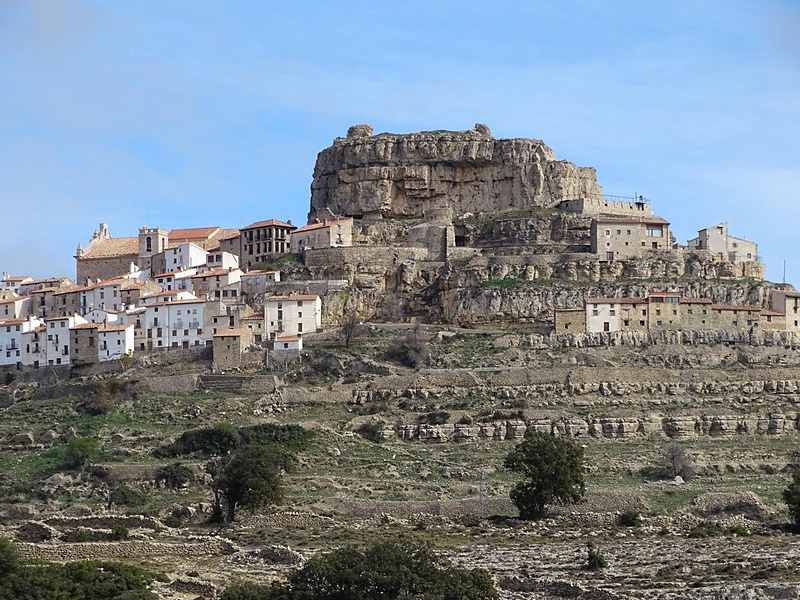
432	470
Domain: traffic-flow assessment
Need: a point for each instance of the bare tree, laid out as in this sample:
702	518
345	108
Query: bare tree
350	328
677	462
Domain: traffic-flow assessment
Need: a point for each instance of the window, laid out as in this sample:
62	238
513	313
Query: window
608	232
595	313
658	323
655	231
644	313
612	312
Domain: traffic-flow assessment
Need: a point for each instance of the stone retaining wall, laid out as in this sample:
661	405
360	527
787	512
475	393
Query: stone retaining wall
61	552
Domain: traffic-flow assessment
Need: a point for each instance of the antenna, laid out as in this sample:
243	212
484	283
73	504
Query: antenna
784	270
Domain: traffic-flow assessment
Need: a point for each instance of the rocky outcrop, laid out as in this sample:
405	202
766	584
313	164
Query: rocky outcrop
466	171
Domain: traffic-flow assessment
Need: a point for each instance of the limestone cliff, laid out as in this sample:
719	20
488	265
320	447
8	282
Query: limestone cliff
466	171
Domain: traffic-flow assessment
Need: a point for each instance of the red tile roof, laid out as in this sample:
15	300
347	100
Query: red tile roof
231	333
645	220
116	327
322	225
268	223
735	307
15	299
198	233
297	297
616	300
112	247
87	326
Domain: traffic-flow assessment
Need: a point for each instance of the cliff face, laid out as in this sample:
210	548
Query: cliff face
466	171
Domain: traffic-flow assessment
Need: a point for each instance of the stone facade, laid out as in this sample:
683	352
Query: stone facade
328	234
264	241
229	345
572	321
723	246
622	238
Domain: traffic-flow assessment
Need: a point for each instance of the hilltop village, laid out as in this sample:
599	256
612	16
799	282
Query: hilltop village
450	227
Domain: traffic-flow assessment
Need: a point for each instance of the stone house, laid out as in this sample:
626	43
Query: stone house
336	233
735	317
771	320
257	282
229	346
570	320
695	314
292	315
787	302
255	323
723	246
664	312
263	241
623	238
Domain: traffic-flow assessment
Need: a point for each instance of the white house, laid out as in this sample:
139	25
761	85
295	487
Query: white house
175	280
217	260
172	325
166	296
34	352
217	285
292	316
787	302
16	307
115	341
718	242
57	342
103	315
11	346
12	284
184	256
104	294
288	343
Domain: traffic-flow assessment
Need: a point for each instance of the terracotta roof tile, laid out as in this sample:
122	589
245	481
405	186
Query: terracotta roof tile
197	233
322	225
112	247
268	223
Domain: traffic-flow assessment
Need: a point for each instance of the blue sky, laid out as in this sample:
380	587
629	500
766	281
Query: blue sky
197	113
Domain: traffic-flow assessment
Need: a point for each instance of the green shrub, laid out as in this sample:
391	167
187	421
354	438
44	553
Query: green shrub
79	451
595	560
371	431
629	518
127	496
383	570
174	476
435	418
120	532
791	496
173	522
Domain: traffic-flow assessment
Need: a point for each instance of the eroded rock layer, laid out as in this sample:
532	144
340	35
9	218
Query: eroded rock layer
466	171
